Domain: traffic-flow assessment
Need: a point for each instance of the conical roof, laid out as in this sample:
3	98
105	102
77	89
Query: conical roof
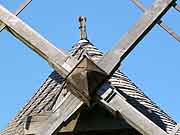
52	91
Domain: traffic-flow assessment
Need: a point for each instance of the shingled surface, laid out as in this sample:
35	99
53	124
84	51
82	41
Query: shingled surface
46	96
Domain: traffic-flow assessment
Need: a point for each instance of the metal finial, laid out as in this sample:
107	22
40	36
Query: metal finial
82	27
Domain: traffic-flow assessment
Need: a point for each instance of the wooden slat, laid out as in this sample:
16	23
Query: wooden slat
135	118
18	11
65	110
22	6
62	63
115	103
161	23
177	7
112	59
175	130
33	123
71	104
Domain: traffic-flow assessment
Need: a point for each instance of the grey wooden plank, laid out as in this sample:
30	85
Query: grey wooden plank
65	110
161	23
33	123
112	59
22	6
177	7
169	30
18	11
135	118
62	63
117	103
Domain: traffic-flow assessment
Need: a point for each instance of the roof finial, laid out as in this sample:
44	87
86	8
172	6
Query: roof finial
82	27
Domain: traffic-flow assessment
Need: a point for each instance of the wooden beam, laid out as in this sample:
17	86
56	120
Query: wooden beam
111	60
22	6
177	7
62	63
136	119
66	109
161	23
33	122
109	98
18	11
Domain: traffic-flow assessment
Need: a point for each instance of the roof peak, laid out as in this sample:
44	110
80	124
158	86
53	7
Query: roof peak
83	41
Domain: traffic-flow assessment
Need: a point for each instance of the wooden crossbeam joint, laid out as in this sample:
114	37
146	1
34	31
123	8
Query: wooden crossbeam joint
136	119
84	80
18	11
63	64
36	42
112	59
177	7
161	23
66	109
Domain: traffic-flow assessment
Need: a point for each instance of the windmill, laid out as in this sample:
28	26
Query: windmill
79	75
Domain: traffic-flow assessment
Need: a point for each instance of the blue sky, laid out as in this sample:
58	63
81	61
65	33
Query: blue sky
153	65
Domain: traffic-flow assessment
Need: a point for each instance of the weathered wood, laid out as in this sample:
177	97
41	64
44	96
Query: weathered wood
96	118
18	11
175	130
84	80
43	124
135	118
33	123
66	109
177	7
22	6
82	27
62	63
161	23
113	101
112	59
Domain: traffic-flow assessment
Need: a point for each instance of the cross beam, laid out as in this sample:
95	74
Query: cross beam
67	107
117	103
177	7
18	11
161	23
135	118
134	35
63	64
54	56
